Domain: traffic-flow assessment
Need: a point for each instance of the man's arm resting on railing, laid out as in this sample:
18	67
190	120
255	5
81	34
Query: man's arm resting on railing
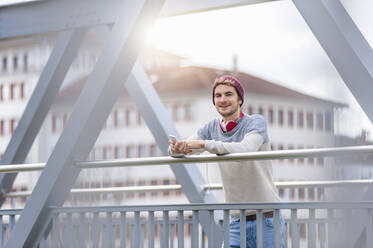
251	142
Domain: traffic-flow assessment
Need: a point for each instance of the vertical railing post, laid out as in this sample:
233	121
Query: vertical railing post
95	230
312	228
165	229
242	228
122	230
259	228
226	222
277	231
82	230
109	230
294	229
151	229
137	232
211	229
180	229
195	228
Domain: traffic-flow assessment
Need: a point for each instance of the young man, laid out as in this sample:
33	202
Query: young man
247	181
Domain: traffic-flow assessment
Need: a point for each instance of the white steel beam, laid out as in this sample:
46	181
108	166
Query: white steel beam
50	16
343	42
98	96
40	102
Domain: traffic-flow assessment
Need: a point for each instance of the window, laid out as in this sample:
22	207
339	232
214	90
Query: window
13	125
153	182
141	151
131	152
311	159
1	92
22	90
1	127
25	63
290	147
270	116
280	147
142	182
250	110
292	193
320	161
131	117
281	192
188	112
310	120
300	119
166	182
280	117
5	63
153	150
12	87
119	152
15	63
311	193
178	112
320	193
328	121
301	193
319	121
120	117
300	160
107	152
261	111
290	118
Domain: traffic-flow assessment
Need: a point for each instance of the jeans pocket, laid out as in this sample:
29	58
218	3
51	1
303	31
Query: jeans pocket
268	222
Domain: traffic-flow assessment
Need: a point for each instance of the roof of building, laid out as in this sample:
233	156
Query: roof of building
193	78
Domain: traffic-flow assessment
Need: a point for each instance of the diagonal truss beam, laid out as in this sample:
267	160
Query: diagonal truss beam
343	42
39	104
160	124
87	119
50	16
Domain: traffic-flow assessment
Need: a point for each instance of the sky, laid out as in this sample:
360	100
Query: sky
272	41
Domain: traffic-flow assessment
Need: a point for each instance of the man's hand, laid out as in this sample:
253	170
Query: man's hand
186	146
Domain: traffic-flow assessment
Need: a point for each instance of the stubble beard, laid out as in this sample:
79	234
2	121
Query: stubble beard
228	114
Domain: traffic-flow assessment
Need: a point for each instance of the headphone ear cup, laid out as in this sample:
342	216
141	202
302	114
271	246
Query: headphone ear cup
230	125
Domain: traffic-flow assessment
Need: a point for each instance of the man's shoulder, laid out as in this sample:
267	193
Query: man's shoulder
255	119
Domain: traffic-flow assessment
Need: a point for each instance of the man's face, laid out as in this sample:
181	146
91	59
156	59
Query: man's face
227	101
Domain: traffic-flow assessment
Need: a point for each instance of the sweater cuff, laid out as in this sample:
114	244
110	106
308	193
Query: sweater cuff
209	145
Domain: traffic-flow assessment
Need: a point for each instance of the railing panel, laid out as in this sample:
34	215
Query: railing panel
109	226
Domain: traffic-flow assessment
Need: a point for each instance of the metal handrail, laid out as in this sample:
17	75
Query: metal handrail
176	187
166	160
218	206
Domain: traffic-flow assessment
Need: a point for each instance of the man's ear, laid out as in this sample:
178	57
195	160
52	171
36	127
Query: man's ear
240	101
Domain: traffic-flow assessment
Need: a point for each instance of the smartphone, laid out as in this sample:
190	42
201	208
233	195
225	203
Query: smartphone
172	137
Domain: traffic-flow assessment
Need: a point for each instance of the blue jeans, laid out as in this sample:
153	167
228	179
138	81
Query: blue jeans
268	233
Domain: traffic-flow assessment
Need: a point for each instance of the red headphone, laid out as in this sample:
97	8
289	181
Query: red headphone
229	125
